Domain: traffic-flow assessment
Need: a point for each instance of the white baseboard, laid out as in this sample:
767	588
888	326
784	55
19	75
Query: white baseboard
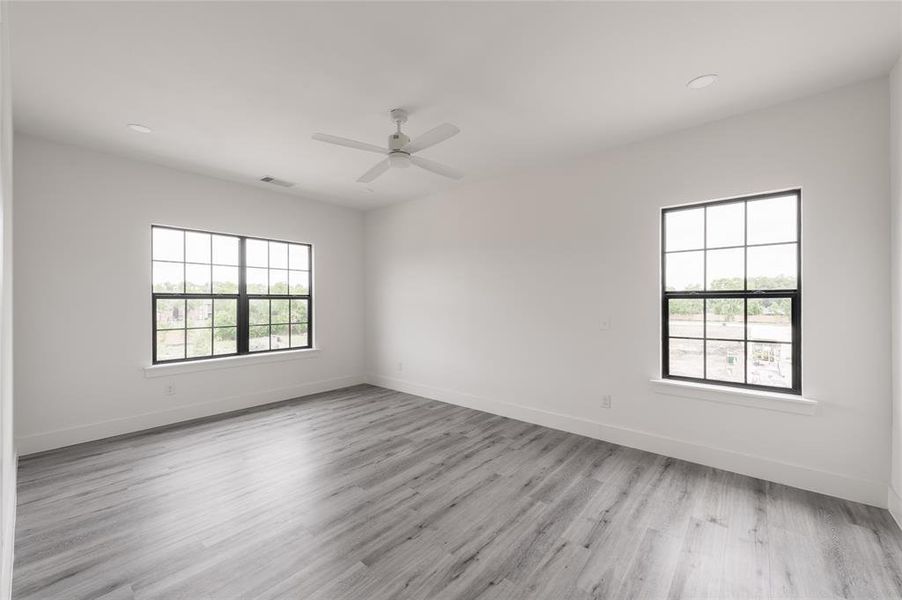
895	505
825	482
39	442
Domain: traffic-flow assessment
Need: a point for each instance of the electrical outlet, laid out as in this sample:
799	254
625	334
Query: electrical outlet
170	389
606	401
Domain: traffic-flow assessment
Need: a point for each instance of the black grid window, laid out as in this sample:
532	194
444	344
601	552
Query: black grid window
222	295
731	301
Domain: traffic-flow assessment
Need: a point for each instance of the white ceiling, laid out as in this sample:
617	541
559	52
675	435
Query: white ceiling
235	89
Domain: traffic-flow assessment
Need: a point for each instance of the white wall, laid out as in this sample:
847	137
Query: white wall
492	295
895	490
7	449
83	300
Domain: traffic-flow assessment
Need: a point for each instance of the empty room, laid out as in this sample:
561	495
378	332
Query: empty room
437	300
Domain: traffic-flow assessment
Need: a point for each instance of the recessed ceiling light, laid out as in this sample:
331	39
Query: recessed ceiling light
702	81
139	128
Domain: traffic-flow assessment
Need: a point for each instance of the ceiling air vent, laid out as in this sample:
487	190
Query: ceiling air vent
279	182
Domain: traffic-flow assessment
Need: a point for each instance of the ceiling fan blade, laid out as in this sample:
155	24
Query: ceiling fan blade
432	137
334	139
380	168
431	165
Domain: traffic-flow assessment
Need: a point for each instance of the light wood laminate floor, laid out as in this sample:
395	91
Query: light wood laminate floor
371	494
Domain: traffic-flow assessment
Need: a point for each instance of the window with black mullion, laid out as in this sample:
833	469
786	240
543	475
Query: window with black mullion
731	289
278	288
210	291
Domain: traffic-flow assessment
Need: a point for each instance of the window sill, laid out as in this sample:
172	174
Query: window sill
788	403
228	362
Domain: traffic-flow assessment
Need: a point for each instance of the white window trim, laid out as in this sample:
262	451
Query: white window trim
789	403
227	362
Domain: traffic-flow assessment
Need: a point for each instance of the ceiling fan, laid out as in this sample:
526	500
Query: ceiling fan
401	149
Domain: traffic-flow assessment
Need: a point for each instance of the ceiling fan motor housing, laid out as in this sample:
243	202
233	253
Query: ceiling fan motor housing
397	140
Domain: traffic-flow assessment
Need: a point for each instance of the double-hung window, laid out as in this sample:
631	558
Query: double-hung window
222	295
732	292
